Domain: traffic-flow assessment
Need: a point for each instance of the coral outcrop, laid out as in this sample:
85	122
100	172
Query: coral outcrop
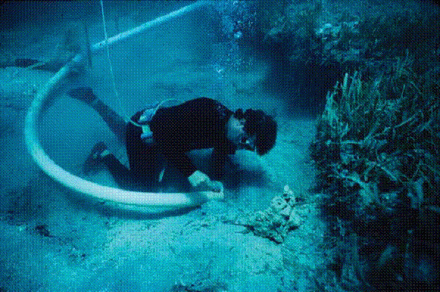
278	219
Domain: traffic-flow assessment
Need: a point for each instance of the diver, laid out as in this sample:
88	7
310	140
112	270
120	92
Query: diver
159	135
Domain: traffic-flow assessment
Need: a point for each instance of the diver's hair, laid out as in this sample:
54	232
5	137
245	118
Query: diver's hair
262	125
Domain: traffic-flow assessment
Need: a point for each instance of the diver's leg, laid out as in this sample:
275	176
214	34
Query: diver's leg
145	160
124	177
115	122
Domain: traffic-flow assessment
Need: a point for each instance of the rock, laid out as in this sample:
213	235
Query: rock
277	220
278	204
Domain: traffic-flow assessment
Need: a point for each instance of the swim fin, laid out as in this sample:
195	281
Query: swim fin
84	94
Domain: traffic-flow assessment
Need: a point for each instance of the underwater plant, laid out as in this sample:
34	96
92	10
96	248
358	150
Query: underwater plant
377	155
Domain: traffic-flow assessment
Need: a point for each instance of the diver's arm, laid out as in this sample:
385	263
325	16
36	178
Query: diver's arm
218	160
201	182
197	179
179	160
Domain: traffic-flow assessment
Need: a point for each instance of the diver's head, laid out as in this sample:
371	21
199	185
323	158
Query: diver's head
252	130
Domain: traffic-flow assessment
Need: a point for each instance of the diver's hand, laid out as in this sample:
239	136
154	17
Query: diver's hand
201	182
215	186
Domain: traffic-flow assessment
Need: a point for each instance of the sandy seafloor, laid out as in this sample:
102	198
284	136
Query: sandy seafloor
54	240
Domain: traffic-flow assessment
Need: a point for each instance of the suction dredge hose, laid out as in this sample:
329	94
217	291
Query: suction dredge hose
75	183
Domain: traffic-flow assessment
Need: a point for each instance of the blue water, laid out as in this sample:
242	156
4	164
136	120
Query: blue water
52	239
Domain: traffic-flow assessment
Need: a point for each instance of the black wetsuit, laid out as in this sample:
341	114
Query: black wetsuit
195	124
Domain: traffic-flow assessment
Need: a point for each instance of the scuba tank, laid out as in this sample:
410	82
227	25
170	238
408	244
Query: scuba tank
145	119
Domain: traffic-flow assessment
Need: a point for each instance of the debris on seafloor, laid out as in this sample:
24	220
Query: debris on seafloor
276	221
200	286
43	230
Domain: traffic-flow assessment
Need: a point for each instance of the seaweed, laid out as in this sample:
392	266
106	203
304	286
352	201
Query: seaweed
377	155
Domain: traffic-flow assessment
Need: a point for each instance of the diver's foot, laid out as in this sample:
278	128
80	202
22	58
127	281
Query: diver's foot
84	94
93	161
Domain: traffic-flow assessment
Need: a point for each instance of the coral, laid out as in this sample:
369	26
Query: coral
277	220
331	37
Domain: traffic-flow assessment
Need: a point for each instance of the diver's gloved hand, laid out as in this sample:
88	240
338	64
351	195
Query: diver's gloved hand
201	182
